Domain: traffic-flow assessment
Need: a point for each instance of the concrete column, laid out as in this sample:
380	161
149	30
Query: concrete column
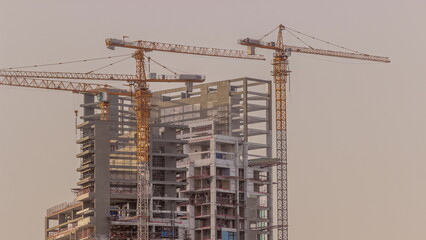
245	111
237	189
269	155
213	192
102	178
247	234
191	207
89	98
46	226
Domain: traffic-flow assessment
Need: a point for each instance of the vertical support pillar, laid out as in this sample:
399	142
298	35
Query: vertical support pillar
269	151
46	226
213	190
247	234
245	109
237	190
102	179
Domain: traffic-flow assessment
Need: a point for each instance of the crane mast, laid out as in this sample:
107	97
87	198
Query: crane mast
280	73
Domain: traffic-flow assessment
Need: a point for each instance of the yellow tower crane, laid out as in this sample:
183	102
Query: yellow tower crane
142	109
142	99
32	79
280	73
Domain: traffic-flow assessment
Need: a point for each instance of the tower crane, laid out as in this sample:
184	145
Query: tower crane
31	79
142	98
141	93
280	73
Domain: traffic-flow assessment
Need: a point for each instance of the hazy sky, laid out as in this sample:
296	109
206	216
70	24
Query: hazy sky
357	132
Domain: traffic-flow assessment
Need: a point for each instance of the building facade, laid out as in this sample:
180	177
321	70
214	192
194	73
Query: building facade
202	184
228	124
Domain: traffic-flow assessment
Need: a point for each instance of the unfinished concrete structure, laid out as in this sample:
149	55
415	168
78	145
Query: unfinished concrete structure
106	193
201	145
61	221
229	124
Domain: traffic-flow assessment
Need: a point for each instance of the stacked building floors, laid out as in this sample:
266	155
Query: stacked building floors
202	183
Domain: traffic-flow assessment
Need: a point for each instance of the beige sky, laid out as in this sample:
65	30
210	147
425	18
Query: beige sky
357	133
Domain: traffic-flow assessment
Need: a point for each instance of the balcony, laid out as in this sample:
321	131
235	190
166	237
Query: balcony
123	193
199	155
203	224
62	232
225	155
83	124
85	139
88	221
85	196
84	234
226	201
164	154
86	211
226	216
201	199
85	153
61	207
85	180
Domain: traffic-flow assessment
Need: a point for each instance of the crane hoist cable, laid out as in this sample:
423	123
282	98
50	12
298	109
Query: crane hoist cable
327	42
109	65
163	66
300	40
268	33
292	31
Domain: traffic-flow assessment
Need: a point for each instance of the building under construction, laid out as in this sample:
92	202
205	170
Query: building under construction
209	155
199	168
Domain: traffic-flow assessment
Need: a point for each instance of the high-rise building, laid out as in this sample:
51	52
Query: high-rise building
209	176
228	127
